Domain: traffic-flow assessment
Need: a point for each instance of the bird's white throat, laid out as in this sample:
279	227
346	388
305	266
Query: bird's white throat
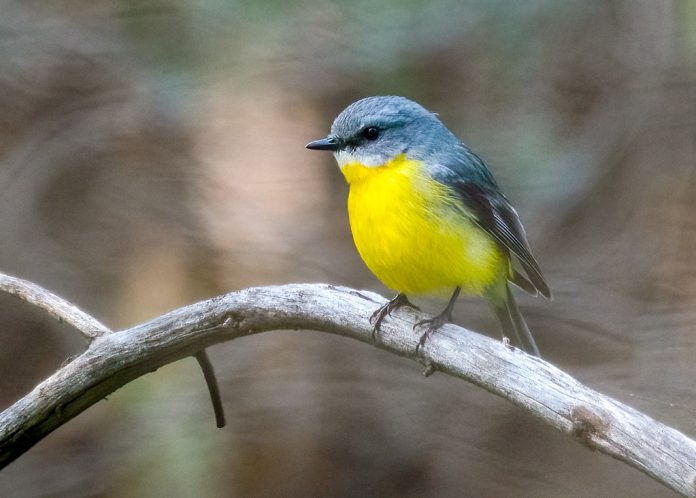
369	160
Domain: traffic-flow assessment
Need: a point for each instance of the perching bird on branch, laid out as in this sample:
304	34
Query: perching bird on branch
427	216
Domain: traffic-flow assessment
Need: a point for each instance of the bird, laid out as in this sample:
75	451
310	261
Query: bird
428	217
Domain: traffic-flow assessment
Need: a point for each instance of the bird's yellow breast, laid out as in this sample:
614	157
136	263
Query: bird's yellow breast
414	235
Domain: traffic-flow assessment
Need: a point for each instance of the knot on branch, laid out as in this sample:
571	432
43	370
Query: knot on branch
232	320
588	425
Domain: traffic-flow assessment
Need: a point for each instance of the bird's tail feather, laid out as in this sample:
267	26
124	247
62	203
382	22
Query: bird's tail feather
513	324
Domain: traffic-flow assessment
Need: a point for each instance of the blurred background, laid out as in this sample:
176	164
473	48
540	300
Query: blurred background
152	154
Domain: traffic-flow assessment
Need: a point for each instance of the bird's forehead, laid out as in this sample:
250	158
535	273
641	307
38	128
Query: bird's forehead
377	111
355	120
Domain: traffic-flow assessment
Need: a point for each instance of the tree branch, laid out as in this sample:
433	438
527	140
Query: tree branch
213	389
90	327
56	306
112	360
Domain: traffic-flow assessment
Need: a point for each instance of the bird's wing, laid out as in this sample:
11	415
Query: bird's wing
468	177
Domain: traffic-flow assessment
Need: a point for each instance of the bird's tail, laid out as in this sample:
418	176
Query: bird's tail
512	322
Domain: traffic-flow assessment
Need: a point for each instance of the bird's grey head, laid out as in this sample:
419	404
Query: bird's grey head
375	130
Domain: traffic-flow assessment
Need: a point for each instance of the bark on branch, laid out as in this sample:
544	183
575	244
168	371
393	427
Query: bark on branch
56	306
90	327
114	359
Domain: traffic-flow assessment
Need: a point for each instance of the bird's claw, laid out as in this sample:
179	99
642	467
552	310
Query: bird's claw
431	325
382	312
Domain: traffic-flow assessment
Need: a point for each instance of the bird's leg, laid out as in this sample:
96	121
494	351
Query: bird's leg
399	301
434	323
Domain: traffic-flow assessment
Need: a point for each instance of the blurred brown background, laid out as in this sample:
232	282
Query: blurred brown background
152	154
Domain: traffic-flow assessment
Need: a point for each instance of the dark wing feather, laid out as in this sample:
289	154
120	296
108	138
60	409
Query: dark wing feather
494	214
460	169
523	283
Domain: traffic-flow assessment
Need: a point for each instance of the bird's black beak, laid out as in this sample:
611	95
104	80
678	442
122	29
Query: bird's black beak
328	143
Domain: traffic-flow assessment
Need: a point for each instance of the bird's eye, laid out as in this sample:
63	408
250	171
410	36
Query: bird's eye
370	133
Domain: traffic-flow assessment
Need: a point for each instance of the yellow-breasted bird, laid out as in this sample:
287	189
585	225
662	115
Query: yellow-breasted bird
427	216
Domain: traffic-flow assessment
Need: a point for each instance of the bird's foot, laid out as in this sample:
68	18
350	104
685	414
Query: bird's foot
431	325
380	314
434	323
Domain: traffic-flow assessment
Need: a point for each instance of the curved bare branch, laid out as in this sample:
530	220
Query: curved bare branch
90	327
56	306
114	359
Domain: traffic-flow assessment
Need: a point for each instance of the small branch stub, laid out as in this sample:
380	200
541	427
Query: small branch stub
588	425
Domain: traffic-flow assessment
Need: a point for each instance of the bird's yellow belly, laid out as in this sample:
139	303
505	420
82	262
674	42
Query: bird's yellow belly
415	237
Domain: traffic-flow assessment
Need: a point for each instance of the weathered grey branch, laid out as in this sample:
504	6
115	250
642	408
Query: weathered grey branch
64	311
114	359
56	306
